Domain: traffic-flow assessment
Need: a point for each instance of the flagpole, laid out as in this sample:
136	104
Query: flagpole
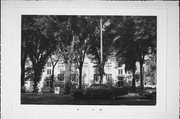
101	48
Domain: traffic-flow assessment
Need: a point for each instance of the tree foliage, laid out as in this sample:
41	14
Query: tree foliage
38	39
136	37
128	38
85	33
107	40
54	59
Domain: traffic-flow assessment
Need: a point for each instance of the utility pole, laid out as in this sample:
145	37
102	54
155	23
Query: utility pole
101	48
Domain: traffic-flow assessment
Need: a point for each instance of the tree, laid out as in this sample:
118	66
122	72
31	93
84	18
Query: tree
65	35
74	39
23	61
54	58
135	37
125	46
145	38
84	34
40	42
151	71
94	48
26	22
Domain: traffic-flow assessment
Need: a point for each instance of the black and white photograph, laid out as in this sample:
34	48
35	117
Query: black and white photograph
88	60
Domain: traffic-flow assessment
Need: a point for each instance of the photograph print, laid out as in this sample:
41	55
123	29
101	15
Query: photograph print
88	60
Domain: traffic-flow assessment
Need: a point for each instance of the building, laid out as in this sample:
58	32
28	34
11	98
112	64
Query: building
114	75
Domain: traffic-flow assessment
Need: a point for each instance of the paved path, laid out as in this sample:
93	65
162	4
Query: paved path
52	99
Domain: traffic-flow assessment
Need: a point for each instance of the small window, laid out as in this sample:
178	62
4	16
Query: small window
61	77
48	71
61	64
48	64
108	77
95	77
108	65
48	83
57	85
120	71
85	64
73	77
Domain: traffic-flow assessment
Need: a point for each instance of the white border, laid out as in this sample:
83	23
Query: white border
167	69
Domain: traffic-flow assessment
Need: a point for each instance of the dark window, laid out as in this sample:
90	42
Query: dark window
108	65
120	81
73	77
96	77
108	77
48	83
48	71
48	64
120	71
57	85
61	77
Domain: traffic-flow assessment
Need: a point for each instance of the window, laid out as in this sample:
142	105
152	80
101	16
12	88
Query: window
61	77
73	77
61	65
108	77
49	83
120	81
48	64
95	77
108	65
85	64
48	71
120	71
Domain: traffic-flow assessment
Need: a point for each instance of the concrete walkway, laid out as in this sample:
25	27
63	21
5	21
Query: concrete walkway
131	96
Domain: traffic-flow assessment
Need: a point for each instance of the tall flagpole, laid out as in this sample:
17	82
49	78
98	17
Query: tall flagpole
101	48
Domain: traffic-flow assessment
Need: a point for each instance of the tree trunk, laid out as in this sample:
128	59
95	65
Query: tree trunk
22	76
101	78
80	75
133	81
52	79
22	73
67	77
35	90
37	77
101	73
141	76
23	61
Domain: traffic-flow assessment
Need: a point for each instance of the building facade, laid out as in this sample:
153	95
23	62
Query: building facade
113	75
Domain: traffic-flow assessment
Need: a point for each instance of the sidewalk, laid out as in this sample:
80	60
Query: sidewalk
131	96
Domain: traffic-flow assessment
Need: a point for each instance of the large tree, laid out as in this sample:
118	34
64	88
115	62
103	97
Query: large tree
136	36
85	29
75	34
152	73
25	24
107	40
54	59
65	34
38	35
125	46
145	38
